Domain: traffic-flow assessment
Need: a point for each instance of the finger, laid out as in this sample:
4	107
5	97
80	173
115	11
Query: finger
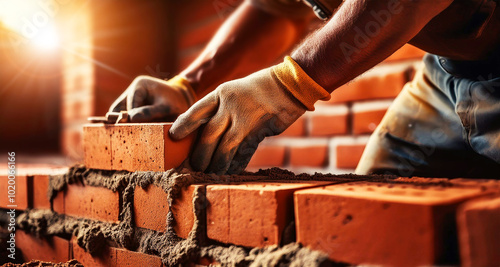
120	103
225	152
137	97
195	116
243	155
150	113
208	141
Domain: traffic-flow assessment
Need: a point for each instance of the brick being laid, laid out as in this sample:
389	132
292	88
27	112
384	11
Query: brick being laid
381	223
253	214
133	147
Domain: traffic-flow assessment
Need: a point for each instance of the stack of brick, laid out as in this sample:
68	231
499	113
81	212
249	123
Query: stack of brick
351	219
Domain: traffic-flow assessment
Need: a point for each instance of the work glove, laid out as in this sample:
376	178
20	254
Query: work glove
149	99
239	114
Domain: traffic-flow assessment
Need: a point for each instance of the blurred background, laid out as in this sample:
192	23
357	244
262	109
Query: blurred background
65	60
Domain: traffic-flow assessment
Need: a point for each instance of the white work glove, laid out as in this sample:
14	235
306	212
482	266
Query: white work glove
149	99
239	114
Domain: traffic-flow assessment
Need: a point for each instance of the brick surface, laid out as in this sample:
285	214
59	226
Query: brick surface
151	208
478	222
328	121
40	189
268	156
134	147
378	84
373	223
309	156
348	156
90	202
50	249
251	214
97	146
114	257
22	198
367	115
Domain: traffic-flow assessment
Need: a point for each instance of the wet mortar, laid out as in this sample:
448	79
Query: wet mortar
93	235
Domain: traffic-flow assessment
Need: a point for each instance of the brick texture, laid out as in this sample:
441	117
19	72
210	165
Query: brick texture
134	147
151	208
90	202
373	223
251	214
309	156
478	222
268	156
50	249
348	156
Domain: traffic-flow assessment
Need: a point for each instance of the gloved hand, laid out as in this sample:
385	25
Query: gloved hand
239	114
150	99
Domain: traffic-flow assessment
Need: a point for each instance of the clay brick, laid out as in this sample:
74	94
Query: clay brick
373	223
40	189
127	258
379	83
349	156
298	128
151	208
91	202
114	257
50	249
97	146
107	257
22	198
366	116
405	53
268	156
479	238
251	214
134	147
328	120
313	155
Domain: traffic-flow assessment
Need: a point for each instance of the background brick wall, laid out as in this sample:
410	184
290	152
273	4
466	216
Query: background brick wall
170	35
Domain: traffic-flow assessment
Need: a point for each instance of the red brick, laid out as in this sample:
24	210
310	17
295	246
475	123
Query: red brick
348	156
114	257
40	189
134	147
22	199
97	146
151	208
126	258
106	258
268	156
382	83
328	125
367	115
298	128
309	156
478	222
405	53
50	249
373	223
251	214
91	202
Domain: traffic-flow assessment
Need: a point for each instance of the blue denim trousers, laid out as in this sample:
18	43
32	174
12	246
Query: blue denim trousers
444	123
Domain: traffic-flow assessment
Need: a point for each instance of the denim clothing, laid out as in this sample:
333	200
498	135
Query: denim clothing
444	123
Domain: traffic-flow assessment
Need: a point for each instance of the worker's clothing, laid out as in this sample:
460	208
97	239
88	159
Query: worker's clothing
445	123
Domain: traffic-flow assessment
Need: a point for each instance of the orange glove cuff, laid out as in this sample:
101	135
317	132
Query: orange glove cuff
183	84
299	84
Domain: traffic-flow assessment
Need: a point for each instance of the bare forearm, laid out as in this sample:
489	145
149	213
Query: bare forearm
362	34
249	40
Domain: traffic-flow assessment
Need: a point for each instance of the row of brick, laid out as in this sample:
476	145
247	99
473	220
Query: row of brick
328	155
56	249
343	220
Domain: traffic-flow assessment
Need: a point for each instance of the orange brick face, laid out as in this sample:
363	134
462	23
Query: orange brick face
252	214
50	249
20	191
366	122
328	125
348	156
309	156
151	208
366	222
268	156
91	202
